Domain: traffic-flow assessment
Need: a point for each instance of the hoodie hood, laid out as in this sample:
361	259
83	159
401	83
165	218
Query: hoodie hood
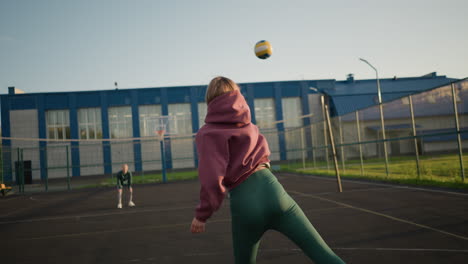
229	108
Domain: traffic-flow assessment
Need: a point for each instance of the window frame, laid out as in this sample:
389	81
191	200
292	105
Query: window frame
96	124
62	125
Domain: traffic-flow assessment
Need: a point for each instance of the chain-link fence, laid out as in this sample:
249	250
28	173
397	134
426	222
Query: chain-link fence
424	134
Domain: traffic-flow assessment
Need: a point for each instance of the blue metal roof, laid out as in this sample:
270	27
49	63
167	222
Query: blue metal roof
349	96
436	102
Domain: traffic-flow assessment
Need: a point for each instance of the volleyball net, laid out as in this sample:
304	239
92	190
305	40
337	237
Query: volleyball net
424	138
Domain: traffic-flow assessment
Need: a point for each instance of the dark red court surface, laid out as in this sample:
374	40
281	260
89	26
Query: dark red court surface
367	223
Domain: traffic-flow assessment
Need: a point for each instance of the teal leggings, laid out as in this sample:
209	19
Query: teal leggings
260	203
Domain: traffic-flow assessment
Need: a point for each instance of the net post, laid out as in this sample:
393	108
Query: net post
415	139
332	142
457	126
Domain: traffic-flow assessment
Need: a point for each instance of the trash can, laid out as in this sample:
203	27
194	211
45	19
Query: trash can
27	171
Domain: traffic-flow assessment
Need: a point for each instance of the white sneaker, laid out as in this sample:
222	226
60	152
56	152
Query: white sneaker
119	206
131	204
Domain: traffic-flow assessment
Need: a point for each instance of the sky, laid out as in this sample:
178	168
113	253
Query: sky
68	45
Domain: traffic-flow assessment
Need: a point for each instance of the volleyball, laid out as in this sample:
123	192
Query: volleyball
263	49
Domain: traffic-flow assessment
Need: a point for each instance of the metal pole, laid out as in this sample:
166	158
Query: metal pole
379	95
18	181
341	142
335	160
17	169
460	148
47	170
312	135
413	123
383	130
322	98
2	161
163	160
22	171
359	141
68	169
303	148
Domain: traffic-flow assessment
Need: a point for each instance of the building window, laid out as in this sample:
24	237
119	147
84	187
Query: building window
120	122
89	122
182	119
292	112
58	124
202	110
148	123
265	113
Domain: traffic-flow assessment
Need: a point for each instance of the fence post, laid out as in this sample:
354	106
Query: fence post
18	170
413	124
341	142
17	178
163	160
335	160
359	142
46	169
303	148
460	149
2	161
68	169
313	144
22	171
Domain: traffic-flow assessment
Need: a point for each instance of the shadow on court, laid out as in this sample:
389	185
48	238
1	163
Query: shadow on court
367	223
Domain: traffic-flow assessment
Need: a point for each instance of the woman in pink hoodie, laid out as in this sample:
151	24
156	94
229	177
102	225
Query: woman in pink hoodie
233	156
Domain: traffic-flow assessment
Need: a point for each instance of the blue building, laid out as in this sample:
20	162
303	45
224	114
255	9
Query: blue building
105	128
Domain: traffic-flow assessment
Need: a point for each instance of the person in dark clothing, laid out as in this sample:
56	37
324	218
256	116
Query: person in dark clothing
124	178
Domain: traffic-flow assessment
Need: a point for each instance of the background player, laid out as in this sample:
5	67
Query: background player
124	178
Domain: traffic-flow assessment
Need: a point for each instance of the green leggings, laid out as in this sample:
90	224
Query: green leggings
260	203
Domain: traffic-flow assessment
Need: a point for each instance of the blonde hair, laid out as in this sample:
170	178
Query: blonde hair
219	86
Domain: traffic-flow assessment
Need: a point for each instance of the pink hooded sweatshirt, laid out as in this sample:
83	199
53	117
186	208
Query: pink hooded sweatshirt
230	149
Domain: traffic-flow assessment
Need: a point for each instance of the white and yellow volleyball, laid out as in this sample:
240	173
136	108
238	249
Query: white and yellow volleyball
263	49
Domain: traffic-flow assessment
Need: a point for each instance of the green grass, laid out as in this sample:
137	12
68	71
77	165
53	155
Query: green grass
440	171
148	178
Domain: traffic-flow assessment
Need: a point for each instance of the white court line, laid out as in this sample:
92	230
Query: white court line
358	190
124	213
94	215
380	214
389	185
339	248
148	227
407	249
71	235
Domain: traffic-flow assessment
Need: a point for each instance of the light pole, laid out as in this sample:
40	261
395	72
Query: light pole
379	95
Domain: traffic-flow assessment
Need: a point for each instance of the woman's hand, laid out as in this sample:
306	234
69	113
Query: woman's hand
197	226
